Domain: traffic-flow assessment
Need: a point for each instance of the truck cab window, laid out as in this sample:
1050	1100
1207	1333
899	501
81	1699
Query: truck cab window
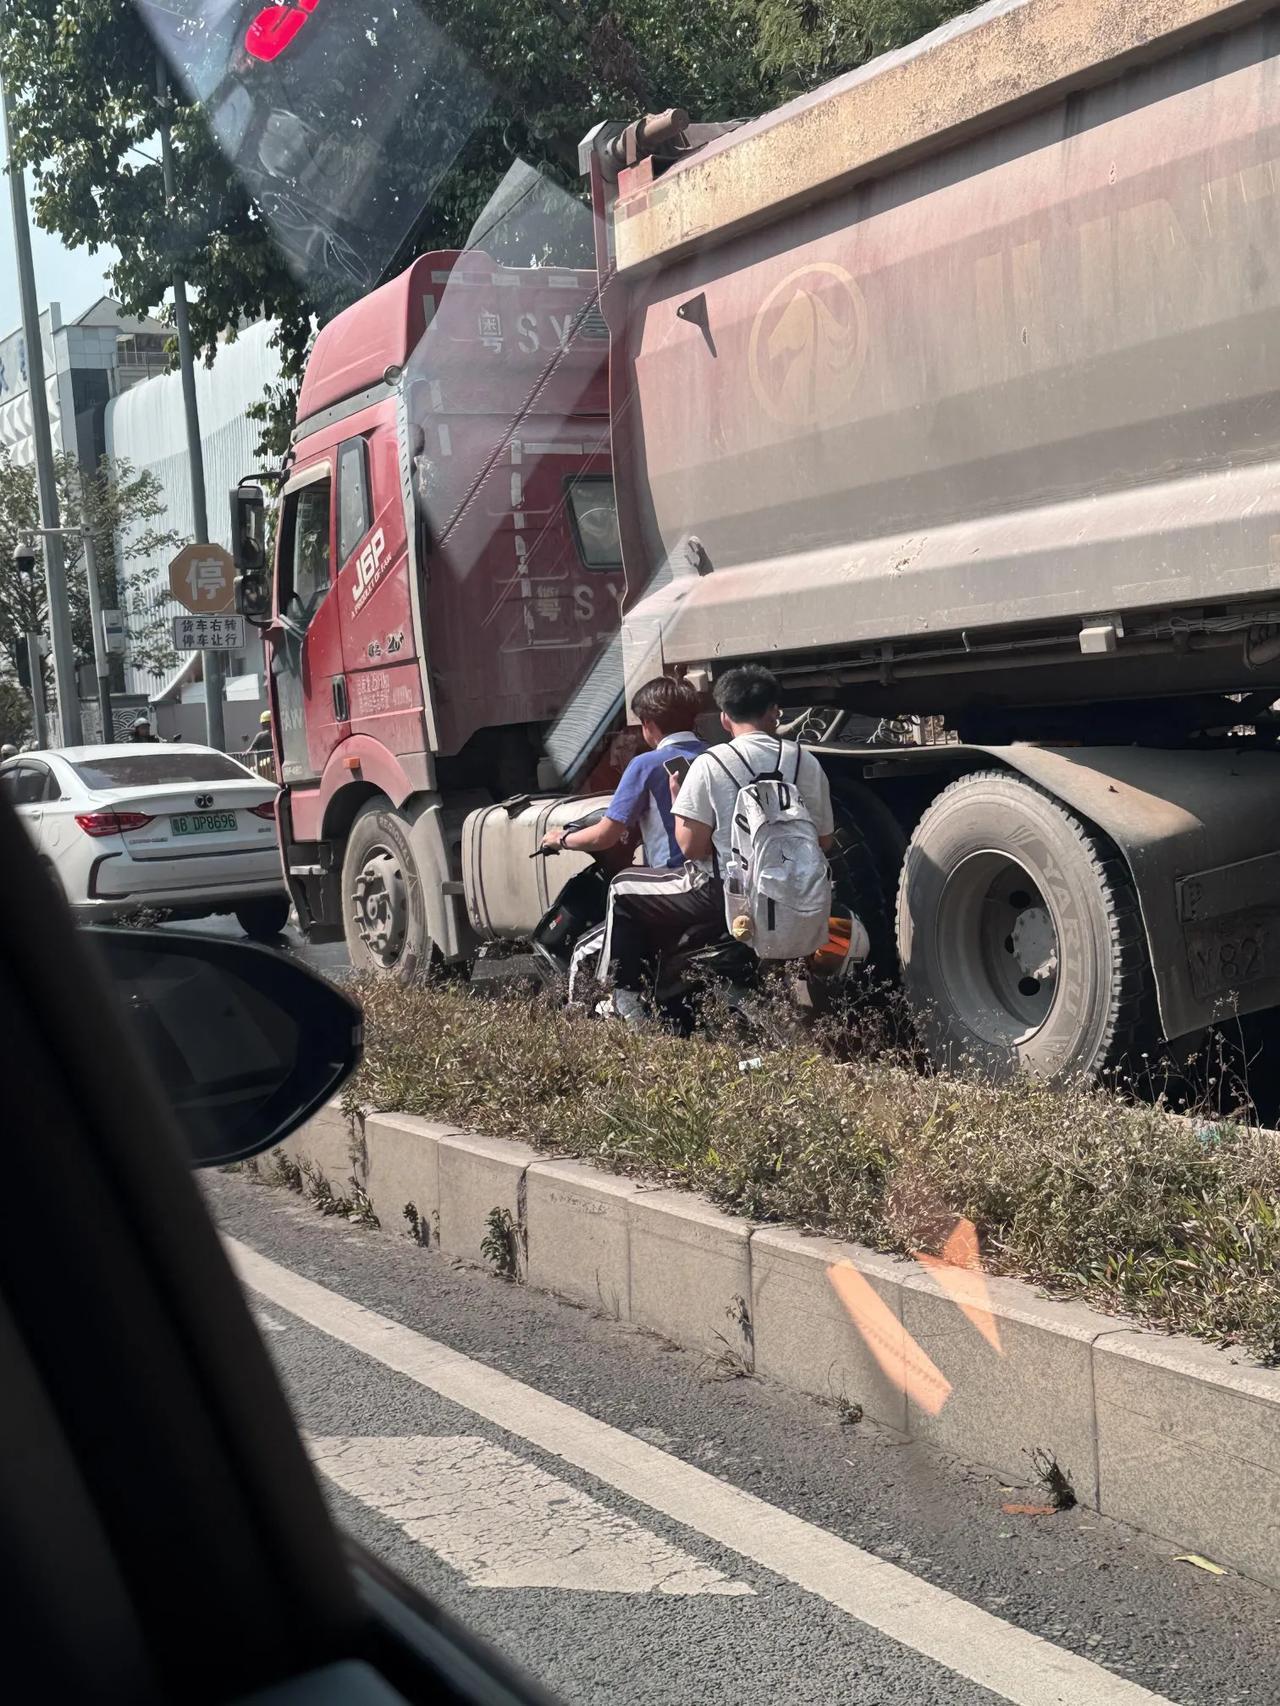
353	497
307	558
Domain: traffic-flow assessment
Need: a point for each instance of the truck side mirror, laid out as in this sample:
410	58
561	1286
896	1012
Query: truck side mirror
249	549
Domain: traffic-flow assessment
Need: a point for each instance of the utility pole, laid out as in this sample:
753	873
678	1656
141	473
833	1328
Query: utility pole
64	657
210	661
35	667
101	658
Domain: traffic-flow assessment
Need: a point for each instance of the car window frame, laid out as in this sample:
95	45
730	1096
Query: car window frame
22	769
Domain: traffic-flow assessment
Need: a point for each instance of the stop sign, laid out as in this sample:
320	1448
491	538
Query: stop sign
203	579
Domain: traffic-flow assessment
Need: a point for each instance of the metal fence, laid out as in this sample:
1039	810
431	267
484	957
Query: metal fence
261	763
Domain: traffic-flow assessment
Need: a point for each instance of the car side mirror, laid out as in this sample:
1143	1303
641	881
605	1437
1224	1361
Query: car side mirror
246	1042
249	550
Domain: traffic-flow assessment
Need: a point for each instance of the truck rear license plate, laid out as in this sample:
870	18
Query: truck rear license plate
1228	954
202	823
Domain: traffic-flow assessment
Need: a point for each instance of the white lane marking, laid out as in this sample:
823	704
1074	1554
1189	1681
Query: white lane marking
269	1323
503	1522
1018	1666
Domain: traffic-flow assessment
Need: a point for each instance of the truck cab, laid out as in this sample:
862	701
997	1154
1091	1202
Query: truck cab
447	569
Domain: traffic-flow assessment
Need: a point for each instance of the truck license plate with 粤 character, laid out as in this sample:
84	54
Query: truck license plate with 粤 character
202	823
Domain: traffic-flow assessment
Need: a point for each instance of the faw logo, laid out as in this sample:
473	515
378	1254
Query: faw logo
369	568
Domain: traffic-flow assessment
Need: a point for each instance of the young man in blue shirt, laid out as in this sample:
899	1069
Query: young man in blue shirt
641	805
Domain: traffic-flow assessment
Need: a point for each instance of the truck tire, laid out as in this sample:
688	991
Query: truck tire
384	911
263	920
1020	938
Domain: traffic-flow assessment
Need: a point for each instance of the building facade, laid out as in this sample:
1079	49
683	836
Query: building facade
147	425
87	361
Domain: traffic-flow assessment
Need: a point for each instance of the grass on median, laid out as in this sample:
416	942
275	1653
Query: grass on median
1086	1194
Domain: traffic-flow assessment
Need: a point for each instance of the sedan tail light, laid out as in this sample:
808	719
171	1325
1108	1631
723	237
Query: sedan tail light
111	823
267	810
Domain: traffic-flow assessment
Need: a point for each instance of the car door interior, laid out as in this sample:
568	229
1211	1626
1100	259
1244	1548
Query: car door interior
162	1534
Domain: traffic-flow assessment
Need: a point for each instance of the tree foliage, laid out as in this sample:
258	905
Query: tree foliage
124	508
803	43
15	714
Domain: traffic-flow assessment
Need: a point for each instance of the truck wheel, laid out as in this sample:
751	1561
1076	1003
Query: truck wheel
1019	936
263	920
384	911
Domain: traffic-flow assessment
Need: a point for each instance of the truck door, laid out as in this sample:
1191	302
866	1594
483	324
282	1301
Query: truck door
306	666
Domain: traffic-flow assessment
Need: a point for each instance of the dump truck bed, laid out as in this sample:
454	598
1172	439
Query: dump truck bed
978	342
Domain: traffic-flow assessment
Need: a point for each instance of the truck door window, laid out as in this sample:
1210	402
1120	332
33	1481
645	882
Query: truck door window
353	497
308	555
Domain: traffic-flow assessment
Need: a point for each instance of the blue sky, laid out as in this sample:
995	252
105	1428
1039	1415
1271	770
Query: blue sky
72	277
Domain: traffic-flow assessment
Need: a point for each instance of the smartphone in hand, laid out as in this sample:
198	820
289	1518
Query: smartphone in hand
676	768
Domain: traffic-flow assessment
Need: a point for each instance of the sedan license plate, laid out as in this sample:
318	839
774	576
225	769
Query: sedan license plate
202	823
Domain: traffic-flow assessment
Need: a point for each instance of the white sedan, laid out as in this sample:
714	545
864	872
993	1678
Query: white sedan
149	825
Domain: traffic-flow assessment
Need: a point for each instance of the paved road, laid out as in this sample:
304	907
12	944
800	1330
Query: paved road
329	958
631	1527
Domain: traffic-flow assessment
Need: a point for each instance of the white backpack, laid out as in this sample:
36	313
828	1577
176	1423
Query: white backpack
777	886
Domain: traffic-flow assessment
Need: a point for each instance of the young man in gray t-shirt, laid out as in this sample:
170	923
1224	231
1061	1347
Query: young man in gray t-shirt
650	910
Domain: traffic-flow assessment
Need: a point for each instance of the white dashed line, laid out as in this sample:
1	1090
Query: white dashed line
502	1522
1018	1666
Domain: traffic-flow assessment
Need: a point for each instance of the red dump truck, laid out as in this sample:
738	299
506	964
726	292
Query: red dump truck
950	390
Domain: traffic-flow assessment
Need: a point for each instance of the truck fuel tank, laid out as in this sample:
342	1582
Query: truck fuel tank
507	889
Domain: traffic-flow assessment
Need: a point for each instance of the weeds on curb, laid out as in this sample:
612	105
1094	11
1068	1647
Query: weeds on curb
1053	1478
419	1229
1078	1190
500	1245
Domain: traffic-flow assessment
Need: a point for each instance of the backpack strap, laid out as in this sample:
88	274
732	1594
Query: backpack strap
751	775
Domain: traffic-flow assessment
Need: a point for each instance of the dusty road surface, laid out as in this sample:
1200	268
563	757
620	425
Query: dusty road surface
574	1489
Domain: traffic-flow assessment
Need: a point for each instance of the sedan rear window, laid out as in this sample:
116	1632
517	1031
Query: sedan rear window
152	769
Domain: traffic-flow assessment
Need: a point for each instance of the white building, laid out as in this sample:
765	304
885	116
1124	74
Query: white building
87	361
147	426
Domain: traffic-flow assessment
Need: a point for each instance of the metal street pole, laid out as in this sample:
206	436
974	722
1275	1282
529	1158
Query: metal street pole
101	657
210	661
64	657
35	665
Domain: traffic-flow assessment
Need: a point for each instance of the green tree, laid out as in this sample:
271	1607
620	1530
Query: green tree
124	508
804	43
15	714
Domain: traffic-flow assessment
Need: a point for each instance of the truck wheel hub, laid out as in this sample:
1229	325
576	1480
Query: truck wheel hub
379	906
997	948
1035	943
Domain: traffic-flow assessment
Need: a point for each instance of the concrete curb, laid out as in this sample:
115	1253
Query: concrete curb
1167	1434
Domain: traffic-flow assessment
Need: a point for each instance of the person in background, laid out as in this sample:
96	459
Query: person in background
8	751
261	742
141	729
